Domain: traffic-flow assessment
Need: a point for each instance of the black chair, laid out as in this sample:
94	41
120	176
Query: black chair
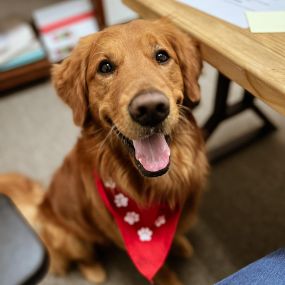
23	258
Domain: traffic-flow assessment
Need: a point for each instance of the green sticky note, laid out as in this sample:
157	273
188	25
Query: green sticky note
266	22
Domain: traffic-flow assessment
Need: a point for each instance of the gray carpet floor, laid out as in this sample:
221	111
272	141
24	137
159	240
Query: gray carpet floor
243	209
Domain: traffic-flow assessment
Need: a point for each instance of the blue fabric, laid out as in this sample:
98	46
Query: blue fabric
269	270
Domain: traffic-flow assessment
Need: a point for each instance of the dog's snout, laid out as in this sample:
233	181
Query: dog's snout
149	109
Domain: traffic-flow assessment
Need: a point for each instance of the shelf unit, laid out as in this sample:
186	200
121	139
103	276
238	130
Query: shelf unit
34	72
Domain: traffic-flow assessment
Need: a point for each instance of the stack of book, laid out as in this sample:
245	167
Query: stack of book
22	57
19	46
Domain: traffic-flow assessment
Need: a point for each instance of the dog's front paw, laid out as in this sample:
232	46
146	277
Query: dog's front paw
59	265
93	272
182	247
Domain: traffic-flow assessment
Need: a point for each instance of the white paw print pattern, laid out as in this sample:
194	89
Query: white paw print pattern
121	200
160	221
131	218
145	234
110	184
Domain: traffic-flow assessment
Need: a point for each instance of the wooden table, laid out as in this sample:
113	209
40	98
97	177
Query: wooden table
254	61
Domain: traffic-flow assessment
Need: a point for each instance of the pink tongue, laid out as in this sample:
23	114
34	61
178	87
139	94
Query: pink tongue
152	152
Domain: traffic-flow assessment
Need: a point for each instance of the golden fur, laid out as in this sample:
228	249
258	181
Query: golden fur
71	218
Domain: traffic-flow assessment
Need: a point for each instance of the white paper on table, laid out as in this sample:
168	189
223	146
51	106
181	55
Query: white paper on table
233	11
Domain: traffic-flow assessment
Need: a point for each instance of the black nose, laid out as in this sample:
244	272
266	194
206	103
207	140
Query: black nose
149	109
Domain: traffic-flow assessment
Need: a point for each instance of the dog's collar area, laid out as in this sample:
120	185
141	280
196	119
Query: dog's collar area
147	232
145	172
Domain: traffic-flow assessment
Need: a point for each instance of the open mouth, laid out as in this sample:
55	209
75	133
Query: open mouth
151	154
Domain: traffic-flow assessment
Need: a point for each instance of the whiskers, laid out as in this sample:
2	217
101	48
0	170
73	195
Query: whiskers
100	52
99	139
109	135
185	125
183	109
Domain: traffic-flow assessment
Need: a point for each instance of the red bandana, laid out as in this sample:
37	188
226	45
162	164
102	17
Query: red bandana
147	232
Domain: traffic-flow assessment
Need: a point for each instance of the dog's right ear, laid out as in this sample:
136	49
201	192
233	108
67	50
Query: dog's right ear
69	79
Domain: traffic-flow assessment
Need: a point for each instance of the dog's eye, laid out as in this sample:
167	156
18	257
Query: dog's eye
106	66
162	56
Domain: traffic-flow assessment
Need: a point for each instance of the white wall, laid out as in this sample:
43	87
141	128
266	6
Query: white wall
116	12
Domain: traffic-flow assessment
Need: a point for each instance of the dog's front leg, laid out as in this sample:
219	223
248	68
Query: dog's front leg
65	248
182	247
166	277
93	271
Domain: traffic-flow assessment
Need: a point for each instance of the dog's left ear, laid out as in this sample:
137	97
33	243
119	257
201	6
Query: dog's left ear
189	58
69	79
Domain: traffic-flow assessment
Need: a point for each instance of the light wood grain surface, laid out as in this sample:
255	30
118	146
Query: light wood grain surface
254	61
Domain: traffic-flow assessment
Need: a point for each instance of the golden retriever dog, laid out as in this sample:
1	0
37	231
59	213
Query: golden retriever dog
130	88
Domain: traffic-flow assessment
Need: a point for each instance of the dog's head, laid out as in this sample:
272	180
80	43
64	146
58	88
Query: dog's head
132	79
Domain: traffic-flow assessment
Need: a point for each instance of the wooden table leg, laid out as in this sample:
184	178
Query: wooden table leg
223	111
